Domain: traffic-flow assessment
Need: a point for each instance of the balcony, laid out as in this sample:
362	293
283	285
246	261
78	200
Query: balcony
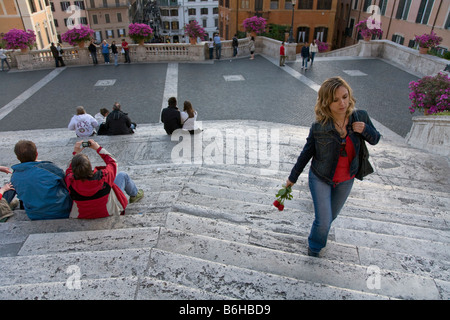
108	5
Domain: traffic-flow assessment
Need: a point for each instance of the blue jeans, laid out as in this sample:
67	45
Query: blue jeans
124	182
305	62
328	201
218	50
106	57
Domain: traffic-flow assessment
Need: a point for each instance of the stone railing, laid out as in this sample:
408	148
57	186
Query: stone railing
408	58
39	59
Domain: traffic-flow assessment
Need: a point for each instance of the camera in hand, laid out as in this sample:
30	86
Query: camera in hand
86	144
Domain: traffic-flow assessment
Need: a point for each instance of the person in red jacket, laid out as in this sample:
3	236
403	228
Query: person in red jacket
100	192
282	55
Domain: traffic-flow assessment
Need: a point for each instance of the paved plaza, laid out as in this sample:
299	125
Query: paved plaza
237	89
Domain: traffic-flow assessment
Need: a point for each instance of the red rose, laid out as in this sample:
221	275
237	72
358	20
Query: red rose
281	207
276	203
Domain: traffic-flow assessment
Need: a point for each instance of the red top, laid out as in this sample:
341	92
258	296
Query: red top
342	172
282	51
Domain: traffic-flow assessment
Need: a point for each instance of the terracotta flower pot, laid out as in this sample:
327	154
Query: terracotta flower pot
81	44
423	50
193	40
367	38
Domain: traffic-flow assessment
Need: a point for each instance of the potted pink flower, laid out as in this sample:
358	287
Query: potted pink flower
427	41
194	31
368	28
78	35
140	32
430	94
19	39
255	24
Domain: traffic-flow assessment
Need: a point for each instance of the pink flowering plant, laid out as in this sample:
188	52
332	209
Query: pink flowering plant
255	24
140	31
369	28
194	30
431	93
428	40
77	35
19	39
322	46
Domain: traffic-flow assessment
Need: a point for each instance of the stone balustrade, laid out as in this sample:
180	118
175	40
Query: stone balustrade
154	52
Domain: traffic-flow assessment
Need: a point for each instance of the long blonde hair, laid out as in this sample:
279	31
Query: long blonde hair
325	97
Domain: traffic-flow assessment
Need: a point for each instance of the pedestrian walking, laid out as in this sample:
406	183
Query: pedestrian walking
333	144
4	58
282	55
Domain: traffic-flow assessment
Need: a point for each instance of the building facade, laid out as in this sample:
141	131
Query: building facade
68	14
35	15
109	19
402	20
175	14
309	19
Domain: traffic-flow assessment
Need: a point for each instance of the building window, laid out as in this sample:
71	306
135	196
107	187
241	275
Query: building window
52	6
80	4
424	11
383	6
119	17
105	3
83	20
305	5
258	5
92	3
94	19
109	34
273	4
324	4
192	11
245	4
447	23
398	39
175	25
55	22
355	5
32	7
65	5
215	10
174	13
107	19
366	4
204	11
321	34
303	34
98	36
205	23
403	9
121	33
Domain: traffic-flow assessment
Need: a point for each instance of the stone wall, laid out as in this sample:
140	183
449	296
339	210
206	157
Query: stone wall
408	58
431	133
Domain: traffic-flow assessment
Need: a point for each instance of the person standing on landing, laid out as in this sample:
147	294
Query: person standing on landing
333	143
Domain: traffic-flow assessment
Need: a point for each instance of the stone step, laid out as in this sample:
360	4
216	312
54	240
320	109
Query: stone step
119	288
332	273
200	193
65	245
356	254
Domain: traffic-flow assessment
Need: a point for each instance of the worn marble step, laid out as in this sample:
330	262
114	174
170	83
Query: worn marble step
332	273
244	201
356	254
120	288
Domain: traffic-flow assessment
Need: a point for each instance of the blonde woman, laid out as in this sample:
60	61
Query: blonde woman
333	144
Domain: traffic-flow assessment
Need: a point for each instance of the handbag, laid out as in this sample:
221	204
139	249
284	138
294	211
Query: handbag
365	168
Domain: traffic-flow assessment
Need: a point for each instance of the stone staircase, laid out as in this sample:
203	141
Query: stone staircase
210	231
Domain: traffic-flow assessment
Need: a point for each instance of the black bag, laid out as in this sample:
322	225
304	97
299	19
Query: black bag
365	168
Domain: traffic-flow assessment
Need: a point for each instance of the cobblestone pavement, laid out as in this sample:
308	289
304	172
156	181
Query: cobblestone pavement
220	90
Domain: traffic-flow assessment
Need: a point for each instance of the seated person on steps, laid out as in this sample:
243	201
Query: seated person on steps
98	192
39	184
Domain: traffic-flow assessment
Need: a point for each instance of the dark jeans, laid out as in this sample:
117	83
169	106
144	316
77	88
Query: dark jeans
3	61
94	58
127	56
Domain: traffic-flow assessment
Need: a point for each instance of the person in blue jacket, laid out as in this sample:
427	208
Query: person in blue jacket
39	184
